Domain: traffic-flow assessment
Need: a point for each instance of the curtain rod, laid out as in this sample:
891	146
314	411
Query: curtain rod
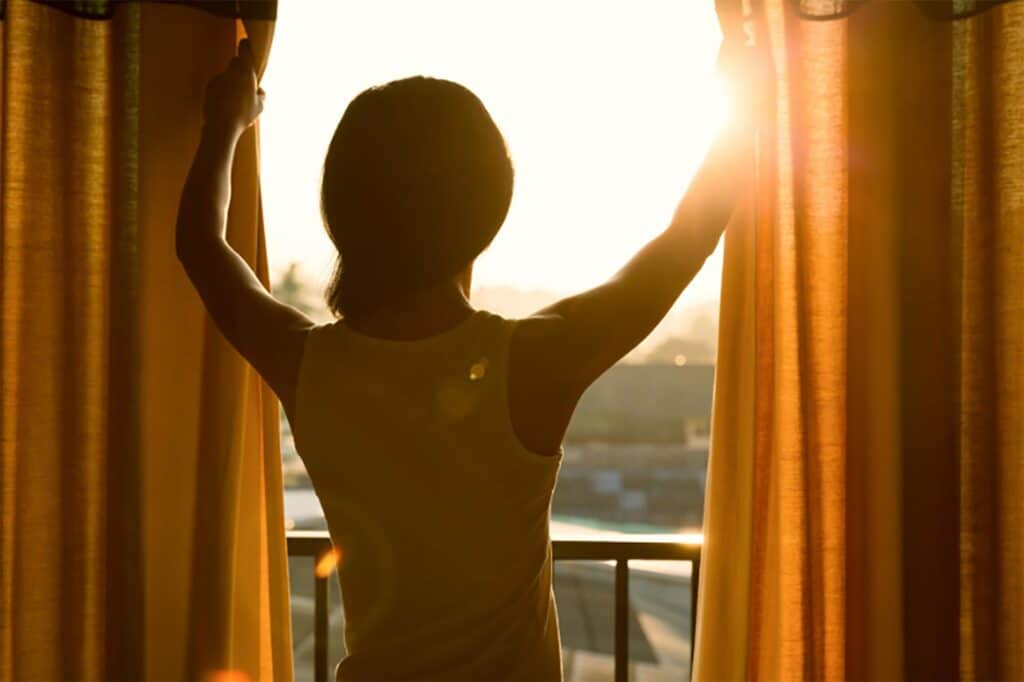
104	9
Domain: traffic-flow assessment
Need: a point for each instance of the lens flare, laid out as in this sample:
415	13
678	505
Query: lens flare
327	562
691	537
226	676
478	370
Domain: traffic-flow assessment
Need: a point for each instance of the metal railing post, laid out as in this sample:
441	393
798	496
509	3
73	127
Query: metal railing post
694	591
320	629
621	620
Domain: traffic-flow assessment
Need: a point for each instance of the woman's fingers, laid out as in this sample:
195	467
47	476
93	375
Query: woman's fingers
245	53
730	19
244	60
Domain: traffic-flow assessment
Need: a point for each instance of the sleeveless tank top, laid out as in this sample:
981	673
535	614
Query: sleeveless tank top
440	514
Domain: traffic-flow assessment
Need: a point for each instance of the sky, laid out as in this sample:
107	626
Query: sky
607	107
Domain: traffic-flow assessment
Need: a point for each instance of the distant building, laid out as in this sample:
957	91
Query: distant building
636	451
646	404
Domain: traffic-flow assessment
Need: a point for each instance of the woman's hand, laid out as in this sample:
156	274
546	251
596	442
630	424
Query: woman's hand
233	98
733	22
744	65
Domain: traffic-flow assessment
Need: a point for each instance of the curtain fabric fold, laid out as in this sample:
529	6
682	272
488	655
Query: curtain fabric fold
863	515
142	521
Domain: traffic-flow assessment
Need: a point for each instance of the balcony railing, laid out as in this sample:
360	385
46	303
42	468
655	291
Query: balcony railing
317	544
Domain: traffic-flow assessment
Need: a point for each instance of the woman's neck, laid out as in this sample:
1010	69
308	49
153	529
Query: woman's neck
425	313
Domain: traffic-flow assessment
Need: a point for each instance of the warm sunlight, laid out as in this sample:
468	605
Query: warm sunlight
607	107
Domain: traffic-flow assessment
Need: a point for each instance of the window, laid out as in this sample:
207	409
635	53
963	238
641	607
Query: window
608	109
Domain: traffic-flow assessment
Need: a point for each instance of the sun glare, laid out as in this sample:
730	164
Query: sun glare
607	107
327	562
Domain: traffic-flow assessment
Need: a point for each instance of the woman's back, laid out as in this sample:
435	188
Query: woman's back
440	513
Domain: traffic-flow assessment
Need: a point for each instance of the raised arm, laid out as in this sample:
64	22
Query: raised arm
266	332
558	352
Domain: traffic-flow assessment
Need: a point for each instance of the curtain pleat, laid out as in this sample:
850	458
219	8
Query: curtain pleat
142	521
874	544
125	607
988	212
214	503
58	208
7	346
863	514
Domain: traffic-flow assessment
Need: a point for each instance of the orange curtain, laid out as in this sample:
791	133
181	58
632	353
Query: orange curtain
863	517
142	533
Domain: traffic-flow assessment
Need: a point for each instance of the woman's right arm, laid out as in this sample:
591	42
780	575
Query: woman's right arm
267	333
558	352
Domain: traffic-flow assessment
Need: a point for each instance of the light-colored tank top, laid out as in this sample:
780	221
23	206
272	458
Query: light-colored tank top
440	513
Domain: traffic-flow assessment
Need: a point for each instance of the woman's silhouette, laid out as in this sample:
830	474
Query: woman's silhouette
432	431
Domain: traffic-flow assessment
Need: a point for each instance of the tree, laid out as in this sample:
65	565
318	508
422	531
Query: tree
293	288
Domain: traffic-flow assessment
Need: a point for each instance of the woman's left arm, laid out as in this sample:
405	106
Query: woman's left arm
267	333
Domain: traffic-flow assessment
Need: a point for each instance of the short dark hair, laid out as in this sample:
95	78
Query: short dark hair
417	181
